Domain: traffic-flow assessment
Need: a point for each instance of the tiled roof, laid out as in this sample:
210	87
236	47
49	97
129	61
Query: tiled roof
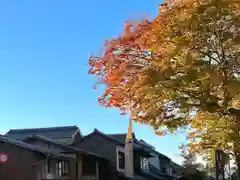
45	139
120	137
31	147
117	139
70	148
52	132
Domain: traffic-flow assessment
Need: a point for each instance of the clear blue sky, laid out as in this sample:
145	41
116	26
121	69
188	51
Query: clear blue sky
44	49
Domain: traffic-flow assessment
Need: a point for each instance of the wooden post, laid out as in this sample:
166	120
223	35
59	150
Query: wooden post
79	161
53	166
97	170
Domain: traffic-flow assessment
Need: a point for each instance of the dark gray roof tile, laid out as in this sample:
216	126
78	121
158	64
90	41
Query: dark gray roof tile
70	148
120	137
52	132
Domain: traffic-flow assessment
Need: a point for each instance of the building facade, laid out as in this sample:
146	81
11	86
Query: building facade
148	163
74	164
64	153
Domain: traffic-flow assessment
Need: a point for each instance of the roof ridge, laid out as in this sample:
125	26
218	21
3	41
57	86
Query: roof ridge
96	131
40	129
107	135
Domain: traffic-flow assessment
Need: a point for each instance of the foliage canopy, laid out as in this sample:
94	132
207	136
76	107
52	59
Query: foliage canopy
180	70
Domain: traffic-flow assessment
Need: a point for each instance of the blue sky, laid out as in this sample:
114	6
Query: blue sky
44	49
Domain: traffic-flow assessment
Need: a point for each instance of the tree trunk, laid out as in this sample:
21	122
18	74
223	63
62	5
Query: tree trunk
237	156
236	143
238	166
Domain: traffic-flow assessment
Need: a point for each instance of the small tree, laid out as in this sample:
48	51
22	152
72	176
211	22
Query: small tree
191	169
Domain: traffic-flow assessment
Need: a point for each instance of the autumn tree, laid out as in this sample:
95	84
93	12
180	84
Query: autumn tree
191	168
189	160
182	70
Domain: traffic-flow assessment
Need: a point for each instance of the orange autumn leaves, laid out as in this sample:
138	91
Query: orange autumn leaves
181	62
117	67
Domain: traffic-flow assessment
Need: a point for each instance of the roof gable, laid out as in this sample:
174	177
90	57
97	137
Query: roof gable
118	140
52	132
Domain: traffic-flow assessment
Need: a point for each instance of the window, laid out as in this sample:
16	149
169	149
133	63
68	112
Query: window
120	159
144	163
170	171
62	168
